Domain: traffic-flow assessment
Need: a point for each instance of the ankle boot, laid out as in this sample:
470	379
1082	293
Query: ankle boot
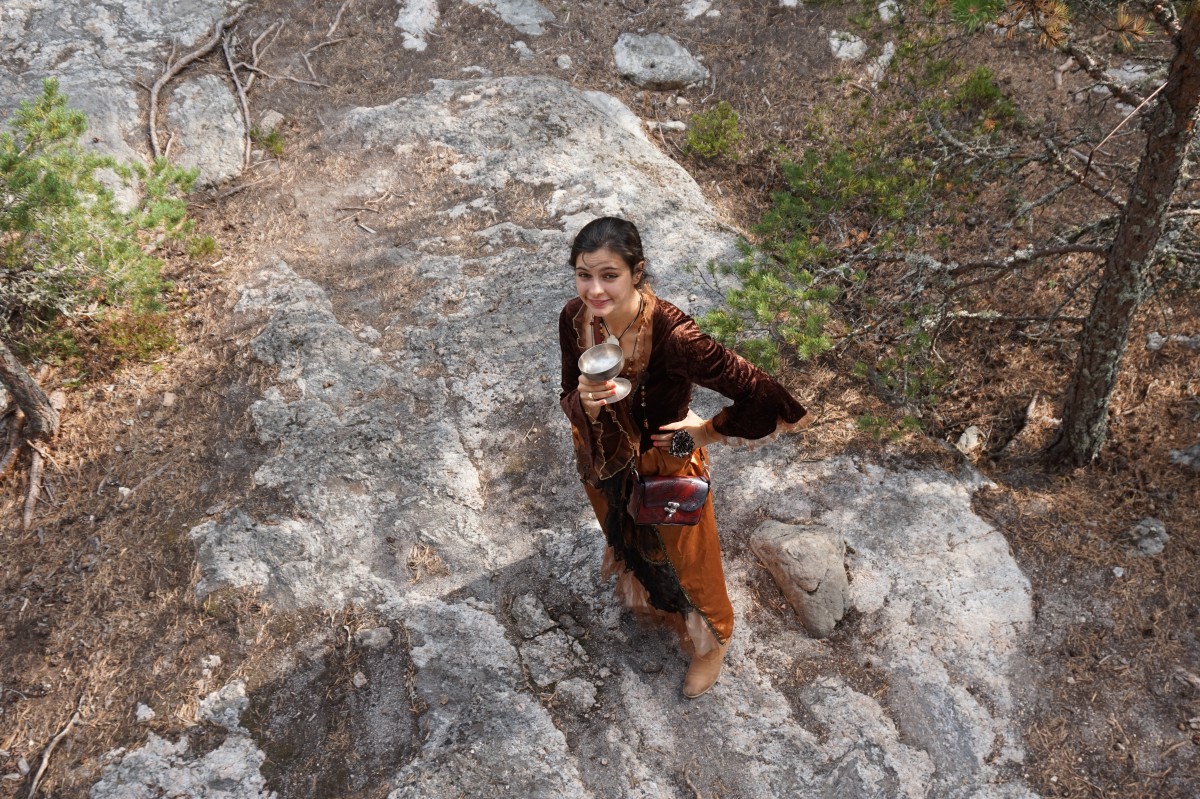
703	672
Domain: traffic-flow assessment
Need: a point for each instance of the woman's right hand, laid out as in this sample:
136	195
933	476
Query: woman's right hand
595	395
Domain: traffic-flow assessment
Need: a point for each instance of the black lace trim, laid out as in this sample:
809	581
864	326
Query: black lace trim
640	549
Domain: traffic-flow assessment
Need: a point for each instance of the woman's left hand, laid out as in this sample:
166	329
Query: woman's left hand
692	424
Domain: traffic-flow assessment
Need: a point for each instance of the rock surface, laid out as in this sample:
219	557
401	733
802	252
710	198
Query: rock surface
211	131
807	563
657	62
406	439
94	50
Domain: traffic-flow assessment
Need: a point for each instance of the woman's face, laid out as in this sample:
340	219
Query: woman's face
606	283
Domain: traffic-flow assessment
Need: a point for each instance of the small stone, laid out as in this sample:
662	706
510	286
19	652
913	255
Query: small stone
970	440
671	125
168	399
1118	572
124	492
846	46
563	61
522	50
530	617
374	638
144	712
888	11
652	668
359	679
23	766
808	564
656	62
270	120
578	695
1155	342
1149	536
210	661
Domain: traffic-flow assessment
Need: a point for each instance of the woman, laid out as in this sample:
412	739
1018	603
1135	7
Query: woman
669	570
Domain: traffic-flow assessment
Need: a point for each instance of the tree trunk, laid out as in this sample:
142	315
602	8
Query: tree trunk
1171	129
41	419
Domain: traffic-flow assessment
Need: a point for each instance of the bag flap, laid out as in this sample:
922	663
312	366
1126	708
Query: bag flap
689	492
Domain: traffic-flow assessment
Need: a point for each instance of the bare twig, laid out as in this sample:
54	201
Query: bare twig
37	778
1081	177
338	19
255	54
241	91
1120	125
327	43
1095	70
175	68
263	72
1025	256
144	480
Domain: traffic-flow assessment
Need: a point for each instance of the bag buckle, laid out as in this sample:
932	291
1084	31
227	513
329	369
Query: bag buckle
671	508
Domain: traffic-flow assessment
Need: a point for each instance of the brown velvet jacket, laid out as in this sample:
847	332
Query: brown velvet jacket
680	356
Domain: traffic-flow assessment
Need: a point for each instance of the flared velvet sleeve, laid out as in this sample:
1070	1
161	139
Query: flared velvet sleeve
760	406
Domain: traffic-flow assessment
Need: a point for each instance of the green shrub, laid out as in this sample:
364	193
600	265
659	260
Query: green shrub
67	249
715	132
271	140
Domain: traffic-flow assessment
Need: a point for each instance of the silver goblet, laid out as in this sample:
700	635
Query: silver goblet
604	362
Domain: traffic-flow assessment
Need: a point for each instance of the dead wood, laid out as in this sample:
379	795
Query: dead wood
37	777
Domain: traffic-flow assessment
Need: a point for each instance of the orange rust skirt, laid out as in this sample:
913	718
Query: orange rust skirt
695	556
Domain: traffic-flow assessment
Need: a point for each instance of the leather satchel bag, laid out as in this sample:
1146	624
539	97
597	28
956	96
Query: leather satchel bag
667	499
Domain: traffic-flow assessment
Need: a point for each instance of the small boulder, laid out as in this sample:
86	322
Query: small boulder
577	695
530	616
847	46
808	563
374	638
657	62
211	132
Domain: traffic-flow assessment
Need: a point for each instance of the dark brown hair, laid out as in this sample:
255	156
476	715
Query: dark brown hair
618	235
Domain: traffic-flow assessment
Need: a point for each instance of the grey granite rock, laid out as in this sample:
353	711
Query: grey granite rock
654	61
94	49
530	617
410	438
211	132
807	563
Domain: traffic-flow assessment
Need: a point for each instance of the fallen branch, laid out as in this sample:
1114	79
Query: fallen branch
174	69
328	43
255	55
37	778
264	73
245	103
338	19
35	487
